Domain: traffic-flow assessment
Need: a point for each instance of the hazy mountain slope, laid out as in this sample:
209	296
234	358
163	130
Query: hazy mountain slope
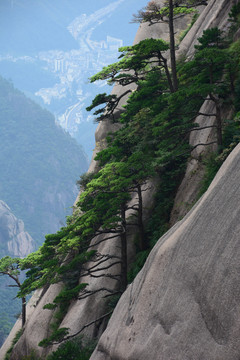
14	241
39	162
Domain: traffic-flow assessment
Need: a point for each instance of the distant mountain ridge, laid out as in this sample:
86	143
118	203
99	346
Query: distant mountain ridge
60	45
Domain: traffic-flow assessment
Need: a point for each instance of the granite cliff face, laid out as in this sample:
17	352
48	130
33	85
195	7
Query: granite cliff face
184	302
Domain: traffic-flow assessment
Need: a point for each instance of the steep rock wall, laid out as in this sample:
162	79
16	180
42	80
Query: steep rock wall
215	14
184	304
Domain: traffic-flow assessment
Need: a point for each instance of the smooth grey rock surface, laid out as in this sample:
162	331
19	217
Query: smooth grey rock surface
113	345
188	191
184	304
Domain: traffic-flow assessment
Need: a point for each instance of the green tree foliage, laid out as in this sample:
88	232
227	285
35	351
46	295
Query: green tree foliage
234	13
156	13
211	38
136	62
77	349
168	12
210	75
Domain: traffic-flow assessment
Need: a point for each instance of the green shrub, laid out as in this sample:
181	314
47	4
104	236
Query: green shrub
212	165
15	340
77	349
32	356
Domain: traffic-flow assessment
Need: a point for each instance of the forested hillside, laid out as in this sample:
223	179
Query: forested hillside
39	162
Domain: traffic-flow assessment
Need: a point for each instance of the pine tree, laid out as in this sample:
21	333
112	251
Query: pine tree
168	13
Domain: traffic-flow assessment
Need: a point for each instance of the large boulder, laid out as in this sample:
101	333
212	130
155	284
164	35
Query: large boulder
184	304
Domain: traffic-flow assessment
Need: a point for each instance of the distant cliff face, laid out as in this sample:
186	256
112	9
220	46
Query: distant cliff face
40	164
14	240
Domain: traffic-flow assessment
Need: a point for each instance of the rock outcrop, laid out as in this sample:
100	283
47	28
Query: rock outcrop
14	240
184	304
126	335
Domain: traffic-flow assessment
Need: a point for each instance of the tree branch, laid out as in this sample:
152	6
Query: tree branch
202	144
85	326
88	293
